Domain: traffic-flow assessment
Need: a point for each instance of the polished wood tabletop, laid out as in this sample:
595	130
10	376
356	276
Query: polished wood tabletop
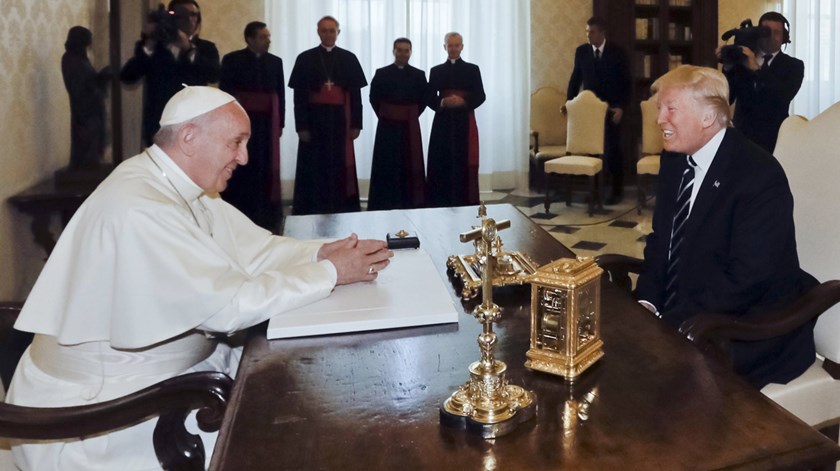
371	400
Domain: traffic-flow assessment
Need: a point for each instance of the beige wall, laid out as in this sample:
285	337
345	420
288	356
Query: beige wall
557	28
732	12
35	116
223	22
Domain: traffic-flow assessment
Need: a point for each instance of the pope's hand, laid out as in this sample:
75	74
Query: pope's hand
356	260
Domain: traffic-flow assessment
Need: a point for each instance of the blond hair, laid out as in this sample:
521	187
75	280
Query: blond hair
708	86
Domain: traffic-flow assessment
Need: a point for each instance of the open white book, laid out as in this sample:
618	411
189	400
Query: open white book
409	292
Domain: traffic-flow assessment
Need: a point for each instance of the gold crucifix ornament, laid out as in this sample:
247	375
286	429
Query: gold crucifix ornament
487	404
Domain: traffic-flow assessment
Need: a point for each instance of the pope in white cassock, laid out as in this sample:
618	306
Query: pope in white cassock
152	263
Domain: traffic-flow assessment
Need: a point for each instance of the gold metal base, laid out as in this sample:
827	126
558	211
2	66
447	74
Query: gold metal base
511	268
487	404
561	365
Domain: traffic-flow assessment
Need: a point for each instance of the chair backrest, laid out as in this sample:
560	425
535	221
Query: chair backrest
651	134
809	151
546	117
585	115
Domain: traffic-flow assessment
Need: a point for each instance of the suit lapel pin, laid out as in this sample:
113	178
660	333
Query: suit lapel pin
717	183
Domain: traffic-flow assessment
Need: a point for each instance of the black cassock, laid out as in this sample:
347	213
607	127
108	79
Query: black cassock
259	85
166	74
328	102
397	176
452	176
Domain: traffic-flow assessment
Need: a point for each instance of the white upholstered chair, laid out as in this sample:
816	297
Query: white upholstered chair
809	151
585	116
647	167
548	133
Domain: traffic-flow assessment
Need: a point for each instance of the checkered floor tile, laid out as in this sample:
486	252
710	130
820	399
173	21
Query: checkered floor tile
614	229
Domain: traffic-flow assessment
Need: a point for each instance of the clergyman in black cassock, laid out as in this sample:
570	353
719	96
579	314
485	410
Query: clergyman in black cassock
397	176
255	78
327	81
187	60
455	90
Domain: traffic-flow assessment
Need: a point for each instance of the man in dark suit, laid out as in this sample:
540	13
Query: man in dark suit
764	83
601	66
167	66
255	77
723	235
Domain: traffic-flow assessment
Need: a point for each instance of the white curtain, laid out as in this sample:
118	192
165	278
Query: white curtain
496	37
815	38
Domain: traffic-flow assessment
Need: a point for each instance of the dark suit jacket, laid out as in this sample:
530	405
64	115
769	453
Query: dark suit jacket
763	97
164	75
608	78
738	255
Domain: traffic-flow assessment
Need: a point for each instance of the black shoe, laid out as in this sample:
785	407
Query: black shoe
613	200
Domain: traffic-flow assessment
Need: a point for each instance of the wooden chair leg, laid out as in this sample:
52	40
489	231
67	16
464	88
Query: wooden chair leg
593	193
569	182
548	181
600	176
640	187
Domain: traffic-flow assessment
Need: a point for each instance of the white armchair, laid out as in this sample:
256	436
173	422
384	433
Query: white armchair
647	167
586	116
548	133
809	151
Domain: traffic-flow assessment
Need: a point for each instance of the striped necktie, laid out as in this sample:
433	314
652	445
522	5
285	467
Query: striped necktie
677	231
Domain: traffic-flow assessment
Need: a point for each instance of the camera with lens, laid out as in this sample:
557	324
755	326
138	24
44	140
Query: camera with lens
166	25
745	35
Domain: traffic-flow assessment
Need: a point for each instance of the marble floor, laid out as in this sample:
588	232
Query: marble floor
615	229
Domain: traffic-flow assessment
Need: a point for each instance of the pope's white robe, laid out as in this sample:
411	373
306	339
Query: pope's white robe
146	267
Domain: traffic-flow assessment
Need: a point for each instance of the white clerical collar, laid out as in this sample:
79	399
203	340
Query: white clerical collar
452	61
704	157
328	48
185	186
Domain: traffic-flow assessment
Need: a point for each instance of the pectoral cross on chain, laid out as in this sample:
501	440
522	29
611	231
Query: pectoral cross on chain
329	84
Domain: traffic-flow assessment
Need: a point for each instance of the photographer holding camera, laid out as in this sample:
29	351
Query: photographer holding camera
169	54
762	79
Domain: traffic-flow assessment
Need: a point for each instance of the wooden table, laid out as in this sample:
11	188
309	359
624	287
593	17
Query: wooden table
370	400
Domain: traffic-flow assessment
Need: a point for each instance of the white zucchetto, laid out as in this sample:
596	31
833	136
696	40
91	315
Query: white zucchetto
191	102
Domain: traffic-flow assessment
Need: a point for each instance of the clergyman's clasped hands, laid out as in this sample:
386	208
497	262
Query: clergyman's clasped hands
356	259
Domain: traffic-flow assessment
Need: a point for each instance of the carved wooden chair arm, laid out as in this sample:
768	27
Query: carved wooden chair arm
711	331
171	399
619	267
